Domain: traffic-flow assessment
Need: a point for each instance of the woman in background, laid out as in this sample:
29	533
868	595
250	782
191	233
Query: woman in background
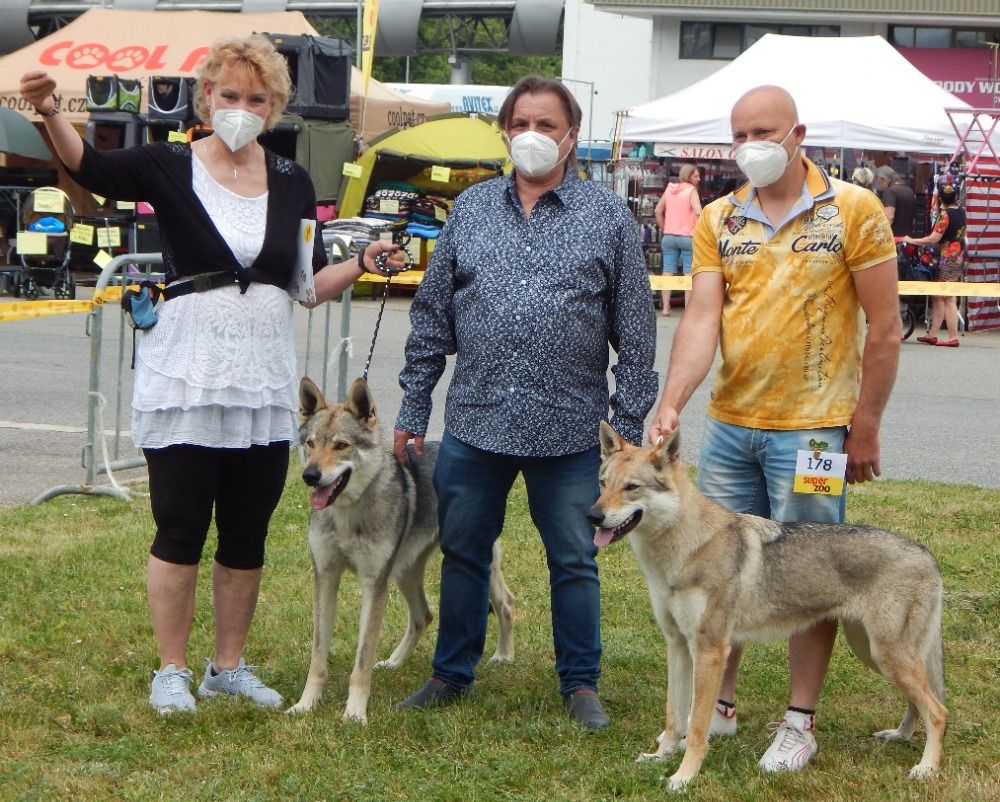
948	233
676	213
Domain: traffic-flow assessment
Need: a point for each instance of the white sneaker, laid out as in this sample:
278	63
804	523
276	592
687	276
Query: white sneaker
170	692
722	725
239	681
793	745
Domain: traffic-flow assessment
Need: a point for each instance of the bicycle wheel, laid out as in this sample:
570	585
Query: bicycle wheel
908	319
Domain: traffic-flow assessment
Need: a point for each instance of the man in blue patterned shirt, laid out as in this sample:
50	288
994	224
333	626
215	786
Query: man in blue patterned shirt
534	275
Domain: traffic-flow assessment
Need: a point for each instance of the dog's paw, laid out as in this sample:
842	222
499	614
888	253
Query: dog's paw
300	707
922	772
892	735
498	659
357	716
676	783
649	757
389	664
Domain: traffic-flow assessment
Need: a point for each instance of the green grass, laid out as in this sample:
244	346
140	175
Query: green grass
76	653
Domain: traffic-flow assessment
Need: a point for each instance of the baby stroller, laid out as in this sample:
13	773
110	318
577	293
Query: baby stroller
48	212
913	263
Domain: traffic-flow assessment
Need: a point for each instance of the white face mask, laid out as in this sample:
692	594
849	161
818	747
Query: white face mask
236	127
763	161
535	154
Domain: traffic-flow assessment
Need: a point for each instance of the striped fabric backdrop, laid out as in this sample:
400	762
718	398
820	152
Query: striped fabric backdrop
982	205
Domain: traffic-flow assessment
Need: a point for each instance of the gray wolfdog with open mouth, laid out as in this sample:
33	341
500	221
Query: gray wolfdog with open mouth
716	577
378	519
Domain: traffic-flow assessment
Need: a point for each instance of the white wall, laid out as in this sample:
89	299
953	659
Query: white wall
614	52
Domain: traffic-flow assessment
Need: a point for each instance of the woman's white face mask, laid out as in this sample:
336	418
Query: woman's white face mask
763	161
237	127
535	154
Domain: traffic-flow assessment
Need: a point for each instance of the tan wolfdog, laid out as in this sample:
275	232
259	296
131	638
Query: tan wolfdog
717	577
378	519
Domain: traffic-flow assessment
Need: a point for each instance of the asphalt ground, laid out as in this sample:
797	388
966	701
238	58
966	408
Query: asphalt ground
942	422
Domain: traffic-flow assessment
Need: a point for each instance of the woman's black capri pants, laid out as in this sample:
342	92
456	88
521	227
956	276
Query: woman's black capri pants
243	484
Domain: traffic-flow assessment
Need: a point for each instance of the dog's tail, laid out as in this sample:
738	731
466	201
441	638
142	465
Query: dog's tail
934	660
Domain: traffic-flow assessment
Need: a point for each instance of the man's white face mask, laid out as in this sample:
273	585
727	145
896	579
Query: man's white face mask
236	127
535	154
763	161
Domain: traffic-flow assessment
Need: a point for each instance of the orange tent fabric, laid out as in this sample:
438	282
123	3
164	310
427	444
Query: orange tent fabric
138	44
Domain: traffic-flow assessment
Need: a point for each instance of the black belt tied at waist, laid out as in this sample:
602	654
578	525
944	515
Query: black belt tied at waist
203	282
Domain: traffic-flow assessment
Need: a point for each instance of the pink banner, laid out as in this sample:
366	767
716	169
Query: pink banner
966	72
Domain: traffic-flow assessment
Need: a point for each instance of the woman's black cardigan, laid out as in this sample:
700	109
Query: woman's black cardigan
160	174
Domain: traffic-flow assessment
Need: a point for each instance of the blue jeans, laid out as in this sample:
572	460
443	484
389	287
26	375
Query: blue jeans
676	250
472	487
752	470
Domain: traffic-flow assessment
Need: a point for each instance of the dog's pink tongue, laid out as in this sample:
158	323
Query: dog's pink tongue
603	536
321	496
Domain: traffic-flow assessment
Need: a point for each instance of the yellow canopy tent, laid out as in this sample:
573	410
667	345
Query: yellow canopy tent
471	146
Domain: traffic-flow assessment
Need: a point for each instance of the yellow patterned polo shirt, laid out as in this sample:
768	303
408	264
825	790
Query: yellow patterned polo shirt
792	327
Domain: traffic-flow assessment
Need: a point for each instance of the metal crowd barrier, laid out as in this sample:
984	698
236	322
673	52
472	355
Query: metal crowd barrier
116	273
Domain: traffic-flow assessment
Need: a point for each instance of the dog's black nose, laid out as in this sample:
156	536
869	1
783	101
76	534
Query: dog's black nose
596	515
312	475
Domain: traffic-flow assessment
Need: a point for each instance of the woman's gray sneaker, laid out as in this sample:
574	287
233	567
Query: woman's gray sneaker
171	690
239	681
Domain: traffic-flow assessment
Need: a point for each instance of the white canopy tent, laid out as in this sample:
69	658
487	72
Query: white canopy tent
851	92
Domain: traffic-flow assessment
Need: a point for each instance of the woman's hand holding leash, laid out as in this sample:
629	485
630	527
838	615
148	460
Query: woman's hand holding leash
384	259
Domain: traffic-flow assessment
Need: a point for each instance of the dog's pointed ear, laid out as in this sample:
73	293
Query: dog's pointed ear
668	450
310	399
611	441
360	403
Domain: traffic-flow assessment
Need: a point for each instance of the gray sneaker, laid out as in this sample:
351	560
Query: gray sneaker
239	681
171	692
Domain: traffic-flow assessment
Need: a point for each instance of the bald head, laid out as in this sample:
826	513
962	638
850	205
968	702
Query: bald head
772	101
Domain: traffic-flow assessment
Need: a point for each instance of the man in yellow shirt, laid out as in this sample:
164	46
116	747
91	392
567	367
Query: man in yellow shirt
786	269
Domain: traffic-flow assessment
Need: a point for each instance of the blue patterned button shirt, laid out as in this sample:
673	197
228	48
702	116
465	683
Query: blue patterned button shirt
529	307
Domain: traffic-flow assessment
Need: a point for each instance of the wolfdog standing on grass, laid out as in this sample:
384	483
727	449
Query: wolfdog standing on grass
716	577
378	519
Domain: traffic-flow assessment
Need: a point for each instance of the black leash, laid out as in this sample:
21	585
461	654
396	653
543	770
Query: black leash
381	265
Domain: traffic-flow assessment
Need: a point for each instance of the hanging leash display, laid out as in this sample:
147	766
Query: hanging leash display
382	266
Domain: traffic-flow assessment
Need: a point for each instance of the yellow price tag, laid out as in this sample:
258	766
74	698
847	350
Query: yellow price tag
48	200
125	206
101	200
82	233
32	243
109	237
176	136
440	173
102	258
388	206
352	170
440	214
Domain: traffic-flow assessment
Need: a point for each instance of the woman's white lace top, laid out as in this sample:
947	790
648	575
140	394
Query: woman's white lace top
218	368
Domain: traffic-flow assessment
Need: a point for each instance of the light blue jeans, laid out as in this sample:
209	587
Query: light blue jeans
753	470
676	250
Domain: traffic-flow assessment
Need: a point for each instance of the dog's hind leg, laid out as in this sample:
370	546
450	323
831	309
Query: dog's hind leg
921	679
502	601
326	584
411	585
374	594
